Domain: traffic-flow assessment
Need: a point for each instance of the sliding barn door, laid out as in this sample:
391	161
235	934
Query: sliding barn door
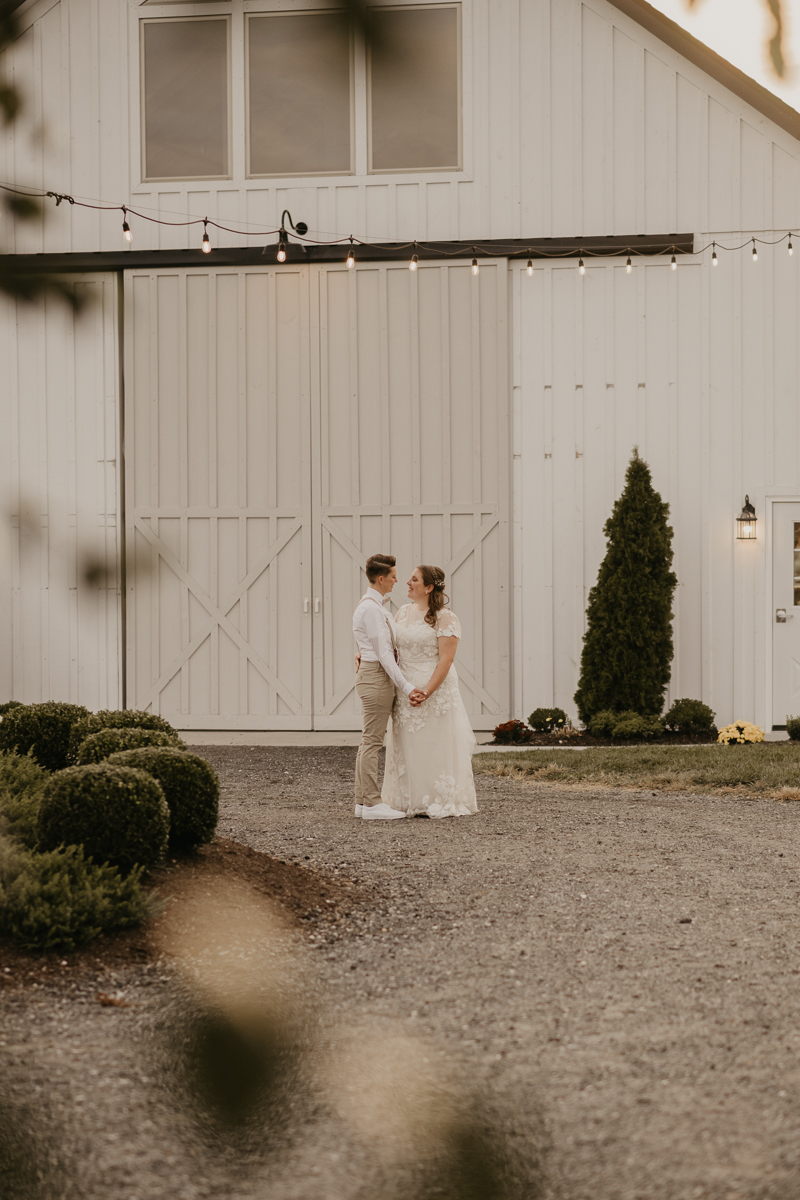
411	435
218	497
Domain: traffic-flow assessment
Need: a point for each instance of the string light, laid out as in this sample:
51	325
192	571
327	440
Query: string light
628	266
755	252
282	248
475	267
412	266
790	247
713	254
674	263
351	258
529	267
581	267
206	238
126	229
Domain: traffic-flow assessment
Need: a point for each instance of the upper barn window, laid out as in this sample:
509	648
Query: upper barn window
185	98
299	94
316	93
414	56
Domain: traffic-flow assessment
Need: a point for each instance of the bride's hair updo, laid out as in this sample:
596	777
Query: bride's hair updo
434	577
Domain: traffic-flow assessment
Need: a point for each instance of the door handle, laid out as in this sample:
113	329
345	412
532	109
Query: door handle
781	616
305	605
316	604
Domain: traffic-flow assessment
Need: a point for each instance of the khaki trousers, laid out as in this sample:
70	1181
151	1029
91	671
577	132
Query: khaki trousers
376	693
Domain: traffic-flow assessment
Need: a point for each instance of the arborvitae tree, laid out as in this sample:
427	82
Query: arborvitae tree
627	648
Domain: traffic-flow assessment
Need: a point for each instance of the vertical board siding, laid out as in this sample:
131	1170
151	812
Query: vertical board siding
59	547
699	368
576	121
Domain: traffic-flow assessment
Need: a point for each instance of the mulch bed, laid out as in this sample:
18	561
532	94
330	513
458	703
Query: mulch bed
586	739
306	897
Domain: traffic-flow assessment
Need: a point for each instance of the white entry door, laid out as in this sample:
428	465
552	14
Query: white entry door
786	614
218	497
412	436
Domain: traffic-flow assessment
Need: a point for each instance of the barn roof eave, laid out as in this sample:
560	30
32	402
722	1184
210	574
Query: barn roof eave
736	81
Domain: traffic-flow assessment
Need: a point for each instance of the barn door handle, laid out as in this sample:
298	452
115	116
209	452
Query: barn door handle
316	604
781	615
305	605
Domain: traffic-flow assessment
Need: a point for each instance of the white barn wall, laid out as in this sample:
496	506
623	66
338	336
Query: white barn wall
576	121
699	368
60	638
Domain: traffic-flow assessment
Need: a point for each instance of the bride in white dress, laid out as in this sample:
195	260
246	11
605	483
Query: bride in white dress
429	747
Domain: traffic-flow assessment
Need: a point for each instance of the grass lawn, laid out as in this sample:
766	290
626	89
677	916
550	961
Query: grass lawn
769	769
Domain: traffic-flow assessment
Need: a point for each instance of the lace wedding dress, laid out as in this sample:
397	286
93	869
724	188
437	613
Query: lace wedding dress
429	748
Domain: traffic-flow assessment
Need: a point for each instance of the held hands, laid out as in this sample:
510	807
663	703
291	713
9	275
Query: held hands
417	697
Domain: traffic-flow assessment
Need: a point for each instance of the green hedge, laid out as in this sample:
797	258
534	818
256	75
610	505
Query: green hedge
117	814
42	729
9	704
58	900
190	786
22	783
690	716
545	720
114	718
101	745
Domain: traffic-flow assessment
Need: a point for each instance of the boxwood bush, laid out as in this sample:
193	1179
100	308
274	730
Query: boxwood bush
602	723
793	728
119	815
99	746
9	704
690	716
22	783
190	786
44	729
632	725
544	720
58	900
114	718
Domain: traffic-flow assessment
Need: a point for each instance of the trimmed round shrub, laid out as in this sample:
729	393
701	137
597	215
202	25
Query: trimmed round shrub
511	733
690	716
99	746
190	786
44	729
631	725
117	814
602	723
793	728
22	782
114	718
544	720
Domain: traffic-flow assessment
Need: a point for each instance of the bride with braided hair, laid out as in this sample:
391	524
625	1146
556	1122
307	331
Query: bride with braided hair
429	746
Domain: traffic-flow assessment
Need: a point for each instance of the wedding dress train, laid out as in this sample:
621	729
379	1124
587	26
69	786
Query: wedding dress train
429	748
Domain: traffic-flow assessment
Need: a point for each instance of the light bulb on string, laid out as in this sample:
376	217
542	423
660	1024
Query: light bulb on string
412	266
755	251
790	247
206	238
282	247
581	267
713	254
126	229
674	263
475	267
351	258
628	266
529	267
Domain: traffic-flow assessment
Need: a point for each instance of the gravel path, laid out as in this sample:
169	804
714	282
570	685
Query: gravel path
627	962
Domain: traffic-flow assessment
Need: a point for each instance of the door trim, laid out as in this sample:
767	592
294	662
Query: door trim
770	499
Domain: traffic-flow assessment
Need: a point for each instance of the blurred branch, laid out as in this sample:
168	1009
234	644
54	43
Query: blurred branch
775	43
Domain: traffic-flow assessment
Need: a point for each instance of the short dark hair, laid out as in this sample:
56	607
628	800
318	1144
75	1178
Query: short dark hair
379	564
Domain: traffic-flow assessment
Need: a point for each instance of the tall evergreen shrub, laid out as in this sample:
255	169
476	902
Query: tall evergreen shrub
628	648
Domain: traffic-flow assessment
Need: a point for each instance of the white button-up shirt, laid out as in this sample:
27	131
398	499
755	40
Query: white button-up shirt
374	630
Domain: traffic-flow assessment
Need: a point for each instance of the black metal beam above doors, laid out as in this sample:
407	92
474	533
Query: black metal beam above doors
249	256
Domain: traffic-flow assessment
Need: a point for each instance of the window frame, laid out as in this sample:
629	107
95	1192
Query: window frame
147	20
459	166
260	14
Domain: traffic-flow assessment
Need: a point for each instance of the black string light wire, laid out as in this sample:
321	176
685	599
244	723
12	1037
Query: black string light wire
300	232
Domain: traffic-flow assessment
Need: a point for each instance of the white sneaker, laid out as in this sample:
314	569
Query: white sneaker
380	812
359	810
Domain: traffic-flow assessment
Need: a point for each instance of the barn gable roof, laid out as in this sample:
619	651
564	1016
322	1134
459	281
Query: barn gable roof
736	81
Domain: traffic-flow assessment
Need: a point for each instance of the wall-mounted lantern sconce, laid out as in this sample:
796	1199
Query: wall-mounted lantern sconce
746	522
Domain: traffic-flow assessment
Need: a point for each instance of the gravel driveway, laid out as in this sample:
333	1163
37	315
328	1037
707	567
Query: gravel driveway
625	962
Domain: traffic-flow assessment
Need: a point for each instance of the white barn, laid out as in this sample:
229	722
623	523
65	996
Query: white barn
229	436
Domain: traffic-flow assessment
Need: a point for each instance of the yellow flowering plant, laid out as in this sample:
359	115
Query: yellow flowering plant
740	733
